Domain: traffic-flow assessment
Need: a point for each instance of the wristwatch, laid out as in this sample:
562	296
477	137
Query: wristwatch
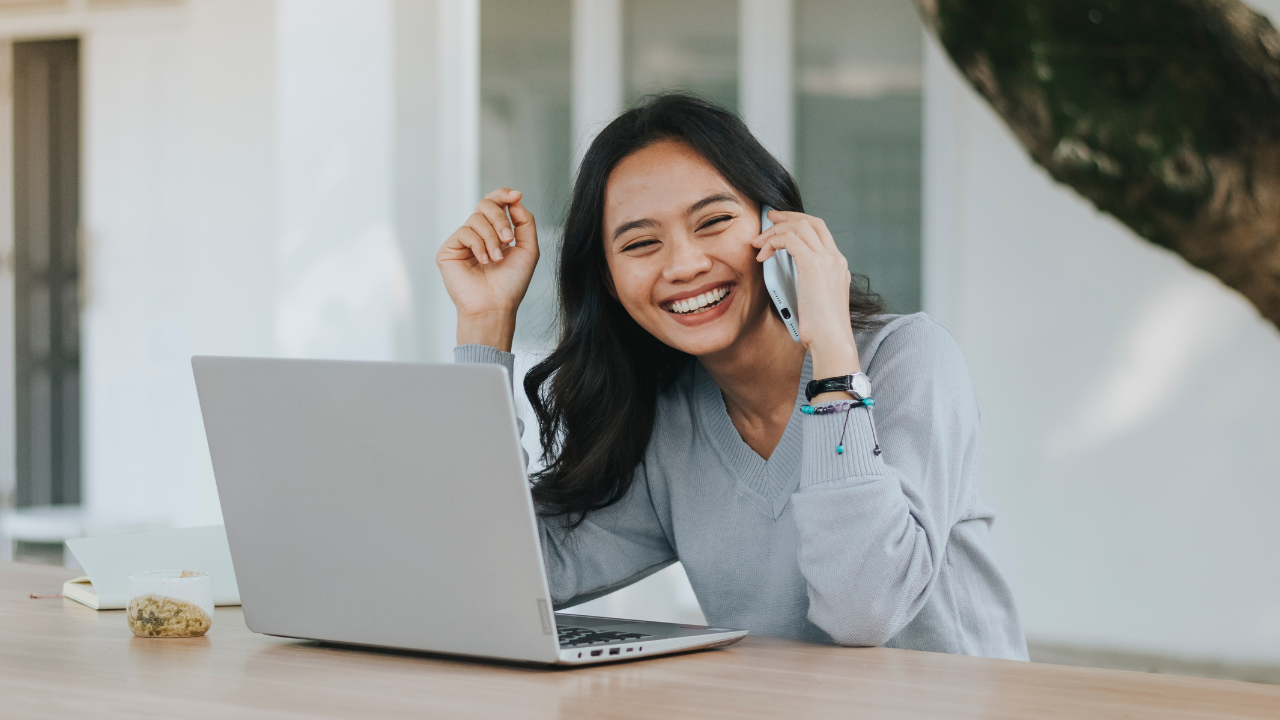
858	385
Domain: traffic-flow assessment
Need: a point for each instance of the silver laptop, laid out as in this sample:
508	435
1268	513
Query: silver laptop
386	504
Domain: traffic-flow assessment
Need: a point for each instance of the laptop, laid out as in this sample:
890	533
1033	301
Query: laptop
387	505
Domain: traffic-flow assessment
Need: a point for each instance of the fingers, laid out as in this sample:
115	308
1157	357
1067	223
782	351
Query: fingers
805	246
503	196
489	230
526	228
519	227
824	235
767	249
801	228
482	227
793	236
803	232
464	244
784	240
815	234
497	216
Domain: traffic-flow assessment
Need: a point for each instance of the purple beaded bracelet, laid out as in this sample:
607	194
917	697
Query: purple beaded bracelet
847	408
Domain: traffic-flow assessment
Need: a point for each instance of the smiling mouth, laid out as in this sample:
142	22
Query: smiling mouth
701	303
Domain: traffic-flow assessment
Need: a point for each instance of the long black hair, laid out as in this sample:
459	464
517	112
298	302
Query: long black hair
595	395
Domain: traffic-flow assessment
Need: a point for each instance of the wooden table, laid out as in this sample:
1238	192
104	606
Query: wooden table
60	659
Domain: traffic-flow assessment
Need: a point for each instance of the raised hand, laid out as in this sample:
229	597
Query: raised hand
485	274
823	289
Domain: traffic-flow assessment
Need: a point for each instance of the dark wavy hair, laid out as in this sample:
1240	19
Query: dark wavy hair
595	395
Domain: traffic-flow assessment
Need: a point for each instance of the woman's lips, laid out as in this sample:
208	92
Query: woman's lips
709	313
699	302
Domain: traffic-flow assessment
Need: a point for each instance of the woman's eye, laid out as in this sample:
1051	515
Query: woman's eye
638	244
715	221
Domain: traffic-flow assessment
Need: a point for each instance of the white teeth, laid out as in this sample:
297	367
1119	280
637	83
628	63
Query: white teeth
696	304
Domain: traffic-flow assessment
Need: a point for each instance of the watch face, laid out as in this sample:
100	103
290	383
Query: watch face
861	384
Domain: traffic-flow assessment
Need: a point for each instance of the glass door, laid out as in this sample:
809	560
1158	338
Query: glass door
46	114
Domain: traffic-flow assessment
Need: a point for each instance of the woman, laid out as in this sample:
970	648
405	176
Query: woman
674	411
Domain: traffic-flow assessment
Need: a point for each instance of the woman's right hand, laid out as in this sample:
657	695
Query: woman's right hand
485	275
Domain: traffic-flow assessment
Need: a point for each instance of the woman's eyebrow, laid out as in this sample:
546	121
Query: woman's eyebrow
629	226
710	200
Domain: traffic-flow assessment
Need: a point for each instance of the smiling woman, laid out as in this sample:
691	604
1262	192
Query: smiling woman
680	421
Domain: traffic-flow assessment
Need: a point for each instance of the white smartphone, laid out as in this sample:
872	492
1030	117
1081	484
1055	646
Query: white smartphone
780	280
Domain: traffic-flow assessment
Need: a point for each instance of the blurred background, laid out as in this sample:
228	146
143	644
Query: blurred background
273	177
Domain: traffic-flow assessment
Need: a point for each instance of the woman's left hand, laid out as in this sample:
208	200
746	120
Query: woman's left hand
823	281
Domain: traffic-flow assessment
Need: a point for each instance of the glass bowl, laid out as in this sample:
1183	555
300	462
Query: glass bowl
170	604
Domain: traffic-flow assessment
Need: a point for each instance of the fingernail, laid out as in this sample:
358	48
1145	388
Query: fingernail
514	193
496	254
506	234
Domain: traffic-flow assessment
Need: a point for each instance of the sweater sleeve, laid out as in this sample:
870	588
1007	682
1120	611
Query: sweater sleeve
874	528
486	355
614	547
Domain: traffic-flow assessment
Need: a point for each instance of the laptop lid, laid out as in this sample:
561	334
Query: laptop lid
378	503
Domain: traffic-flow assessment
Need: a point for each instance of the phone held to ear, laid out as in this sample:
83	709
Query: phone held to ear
780	280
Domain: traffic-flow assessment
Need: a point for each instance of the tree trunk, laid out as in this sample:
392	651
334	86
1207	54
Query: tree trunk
1163	113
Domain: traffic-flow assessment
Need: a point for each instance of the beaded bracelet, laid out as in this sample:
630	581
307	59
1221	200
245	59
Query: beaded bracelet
847	407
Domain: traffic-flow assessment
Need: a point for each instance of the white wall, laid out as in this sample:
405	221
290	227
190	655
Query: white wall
456	187
597	70
243	194
766	74
8	449
1130	404
414	72
343	284
135	331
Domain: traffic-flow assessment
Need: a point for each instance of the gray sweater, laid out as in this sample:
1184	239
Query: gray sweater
853	548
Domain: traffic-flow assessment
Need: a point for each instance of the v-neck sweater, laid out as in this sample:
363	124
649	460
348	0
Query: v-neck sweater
853	548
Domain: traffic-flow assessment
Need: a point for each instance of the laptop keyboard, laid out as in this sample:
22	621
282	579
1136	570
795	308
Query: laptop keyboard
579	637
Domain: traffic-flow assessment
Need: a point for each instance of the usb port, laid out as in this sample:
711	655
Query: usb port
596	653
614	651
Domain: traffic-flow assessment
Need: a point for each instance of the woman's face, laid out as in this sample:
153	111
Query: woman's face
677	239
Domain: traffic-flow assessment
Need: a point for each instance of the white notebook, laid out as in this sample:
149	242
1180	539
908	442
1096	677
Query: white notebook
109	560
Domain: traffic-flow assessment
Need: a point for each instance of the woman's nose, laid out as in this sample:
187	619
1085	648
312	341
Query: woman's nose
686	261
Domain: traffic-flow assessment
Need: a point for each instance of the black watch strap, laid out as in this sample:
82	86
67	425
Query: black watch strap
841	383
